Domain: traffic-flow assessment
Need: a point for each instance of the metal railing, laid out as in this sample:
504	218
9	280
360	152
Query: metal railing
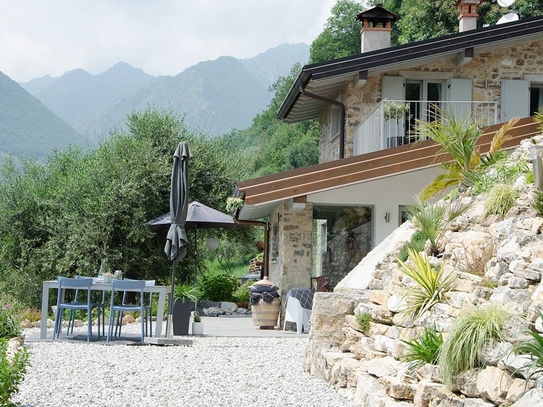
392	122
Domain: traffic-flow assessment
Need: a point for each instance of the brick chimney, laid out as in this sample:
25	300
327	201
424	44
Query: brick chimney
468	14
376	28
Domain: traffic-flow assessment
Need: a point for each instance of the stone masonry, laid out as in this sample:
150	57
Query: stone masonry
367	367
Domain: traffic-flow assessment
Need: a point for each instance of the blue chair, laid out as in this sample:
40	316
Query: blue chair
100	305
117	306
147	316
78	286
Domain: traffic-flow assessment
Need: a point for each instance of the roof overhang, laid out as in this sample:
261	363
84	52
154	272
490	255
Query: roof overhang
328	78
262	195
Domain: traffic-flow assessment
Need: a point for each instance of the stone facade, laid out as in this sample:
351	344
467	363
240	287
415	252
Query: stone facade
367	367
290	248
486	69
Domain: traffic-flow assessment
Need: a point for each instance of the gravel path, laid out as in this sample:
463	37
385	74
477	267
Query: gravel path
213	371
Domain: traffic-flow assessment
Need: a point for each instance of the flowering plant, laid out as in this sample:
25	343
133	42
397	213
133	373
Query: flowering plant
10	326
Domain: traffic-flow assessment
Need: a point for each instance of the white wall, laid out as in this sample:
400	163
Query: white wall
385	195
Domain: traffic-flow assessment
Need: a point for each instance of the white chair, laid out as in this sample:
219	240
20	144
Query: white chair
295	313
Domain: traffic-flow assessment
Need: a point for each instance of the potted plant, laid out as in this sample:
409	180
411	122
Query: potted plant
395	111
197	324
184	296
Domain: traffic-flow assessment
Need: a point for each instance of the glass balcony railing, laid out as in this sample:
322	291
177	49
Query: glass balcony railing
392	122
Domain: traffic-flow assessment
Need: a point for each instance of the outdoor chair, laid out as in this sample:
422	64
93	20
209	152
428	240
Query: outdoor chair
79	286
147	316
121	287
100	305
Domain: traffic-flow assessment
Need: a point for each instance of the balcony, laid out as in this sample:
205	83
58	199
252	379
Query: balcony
392	122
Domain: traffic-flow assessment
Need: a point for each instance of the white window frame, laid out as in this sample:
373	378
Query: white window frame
335	122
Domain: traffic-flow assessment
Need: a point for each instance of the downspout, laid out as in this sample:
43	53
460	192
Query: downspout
341	112
266	237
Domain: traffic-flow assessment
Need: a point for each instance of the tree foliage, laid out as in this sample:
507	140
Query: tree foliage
341	34
62	216
424	19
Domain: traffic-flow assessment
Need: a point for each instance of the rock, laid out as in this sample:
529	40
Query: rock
399	390
443	397
368	385
466	383
493	384
518	387
345	373
381	367
423	393
532	398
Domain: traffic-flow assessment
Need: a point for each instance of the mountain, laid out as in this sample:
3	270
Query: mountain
27	127
78	93
217	95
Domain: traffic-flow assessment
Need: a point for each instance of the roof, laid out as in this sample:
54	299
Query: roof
326	79
262	194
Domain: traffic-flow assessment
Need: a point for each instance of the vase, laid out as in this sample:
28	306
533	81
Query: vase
181	316
197	328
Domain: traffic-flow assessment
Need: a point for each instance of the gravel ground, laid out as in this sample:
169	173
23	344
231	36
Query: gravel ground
213	371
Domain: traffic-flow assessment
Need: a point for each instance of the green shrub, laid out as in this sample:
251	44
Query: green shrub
501	172
537	202
218	287
363	319
424	349
12	372
430	286
500	199
462	348
417	242
242	293
10	323
534	349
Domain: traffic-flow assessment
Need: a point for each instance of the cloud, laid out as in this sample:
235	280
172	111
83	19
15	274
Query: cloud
162	37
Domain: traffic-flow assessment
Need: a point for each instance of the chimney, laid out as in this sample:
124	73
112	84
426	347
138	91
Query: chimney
468	14
376	28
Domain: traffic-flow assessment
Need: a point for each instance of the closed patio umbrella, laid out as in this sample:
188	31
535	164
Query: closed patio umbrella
176	240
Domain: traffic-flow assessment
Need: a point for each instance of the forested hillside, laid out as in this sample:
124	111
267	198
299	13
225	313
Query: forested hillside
29	128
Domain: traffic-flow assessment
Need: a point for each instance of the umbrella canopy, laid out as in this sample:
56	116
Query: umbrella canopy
199	216
176	240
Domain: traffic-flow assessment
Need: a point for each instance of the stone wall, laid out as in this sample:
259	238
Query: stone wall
290	239
367	367
486	70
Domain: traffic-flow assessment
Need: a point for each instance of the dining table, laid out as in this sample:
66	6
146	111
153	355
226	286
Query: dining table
100	285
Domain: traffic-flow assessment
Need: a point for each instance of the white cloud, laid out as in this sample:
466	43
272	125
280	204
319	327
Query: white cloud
162	37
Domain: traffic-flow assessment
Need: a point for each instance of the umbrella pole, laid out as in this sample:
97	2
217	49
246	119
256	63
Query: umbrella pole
169	324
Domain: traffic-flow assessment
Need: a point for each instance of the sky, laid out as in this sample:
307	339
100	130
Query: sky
162	37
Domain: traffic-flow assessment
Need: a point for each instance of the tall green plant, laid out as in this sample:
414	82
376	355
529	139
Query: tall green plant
433	219
500	199
458	139
431	284
462	350
12	371
424	349
533	349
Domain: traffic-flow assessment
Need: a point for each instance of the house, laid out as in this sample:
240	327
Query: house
324	219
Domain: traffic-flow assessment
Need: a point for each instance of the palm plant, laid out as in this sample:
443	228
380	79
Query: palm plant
458	138
431	284
433	219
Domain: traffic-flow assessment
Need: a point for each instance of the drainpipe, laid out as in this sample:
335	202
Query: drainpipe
341	112
266	237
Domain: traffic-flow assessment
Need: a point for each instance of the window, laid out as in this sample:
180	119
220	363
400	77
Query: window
403	214
335	122
536	98
342	236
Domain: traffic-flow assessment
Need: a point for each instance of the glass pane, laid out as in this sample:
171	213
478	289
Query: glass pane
348	237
